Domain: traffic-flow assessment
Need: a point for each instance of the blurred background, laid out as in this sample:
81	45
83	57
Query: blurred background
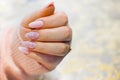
95	51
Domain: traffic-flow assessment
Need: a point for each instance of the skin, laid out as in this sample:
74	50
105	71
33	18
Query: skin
52	36
51	45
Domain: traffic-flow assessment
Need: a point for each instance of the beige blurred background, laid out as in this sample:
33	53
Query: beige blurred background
95	51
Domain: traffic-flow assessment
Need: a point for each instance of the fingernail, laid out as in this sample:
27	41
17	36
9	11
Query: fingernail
36	24
29	44
32	35
24	50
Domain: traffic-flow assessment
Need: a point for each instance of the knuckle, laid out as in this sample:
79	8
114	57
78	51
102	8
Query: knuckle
64	17
64	49
68	32
52	68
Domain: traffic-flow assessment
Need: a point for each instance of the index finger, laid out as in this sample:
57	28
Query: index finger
47	11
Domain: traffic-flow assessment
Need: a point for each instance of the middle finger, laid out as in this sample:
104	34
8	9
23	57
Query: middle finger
63	33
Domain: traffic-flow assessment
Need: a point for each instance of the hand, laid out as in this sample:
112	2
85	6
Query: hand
46	37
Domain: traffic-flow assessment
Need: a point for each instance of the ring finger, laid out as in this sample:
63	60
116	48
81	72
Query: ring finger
57	49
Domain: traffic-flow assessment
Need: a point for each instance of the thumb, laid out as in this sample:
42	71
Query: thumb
46	11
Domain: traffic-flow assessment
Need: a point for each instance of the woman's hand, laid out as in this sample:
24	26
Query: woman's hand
46	38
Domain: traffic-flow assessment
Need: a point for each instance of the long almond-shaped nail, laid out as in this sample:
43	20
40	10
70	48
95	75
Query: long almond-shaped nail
29	44
24	50
32	35
36	24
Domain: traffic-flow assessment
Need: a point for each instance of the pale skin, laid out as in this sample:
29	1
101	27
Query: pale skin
46	38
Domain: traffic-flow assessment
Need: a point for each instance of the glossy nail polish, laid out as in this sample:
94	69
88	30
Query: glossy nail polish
32	35
29	44
24	50
36	24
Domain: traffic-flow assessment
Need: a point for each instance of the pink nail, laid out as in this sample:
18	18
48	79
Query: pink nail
36	24
24	50
29	44
32	35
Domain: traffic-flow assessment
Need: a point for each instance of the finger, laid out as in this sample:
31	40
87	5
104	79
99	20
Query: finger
47	61
57	49
55	34
47	11
56	20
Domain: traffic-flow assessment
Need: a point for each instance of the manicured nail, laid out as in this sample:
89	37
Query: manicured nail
36	24
24	50
32	35
29	44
